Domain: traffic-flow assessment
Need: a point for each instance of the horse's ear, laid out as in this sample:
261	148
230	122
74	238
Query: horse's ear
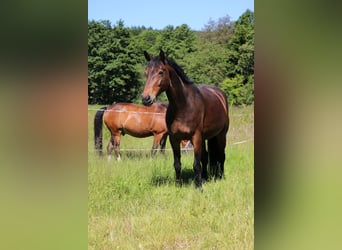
147	56
162	56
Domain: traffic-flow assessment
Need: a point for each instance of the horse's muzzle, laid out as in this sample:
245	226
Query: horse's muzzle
147	100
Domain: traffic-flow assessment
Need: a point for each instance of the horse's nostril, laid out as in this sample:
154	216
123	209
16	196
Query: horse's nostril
146	100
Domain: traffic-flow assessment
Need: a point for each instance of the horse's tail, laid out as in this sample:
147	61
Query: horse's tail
98	129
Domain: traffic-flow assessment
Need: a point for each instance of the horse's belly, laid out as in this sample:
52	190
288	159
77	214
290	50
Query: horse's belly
138	131
210	133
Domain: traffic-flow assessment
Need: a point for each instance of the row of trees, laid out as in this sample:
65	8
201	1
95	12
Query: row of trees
221	54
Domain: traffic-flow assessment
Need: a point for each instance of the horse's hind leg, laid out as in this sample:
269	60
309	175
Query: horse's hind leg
114	143
221	145
117	147
110	148
217	155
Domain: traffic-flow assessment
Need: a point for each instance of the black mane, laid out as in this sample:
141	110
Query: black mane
180	72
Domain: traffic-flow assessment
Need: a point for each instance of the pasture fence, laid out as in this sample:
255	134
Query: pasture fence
168	149
158	113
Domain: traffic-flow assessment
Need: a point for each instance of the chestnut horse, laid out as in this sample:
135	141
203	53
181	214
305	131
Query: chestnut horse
135	120
195	112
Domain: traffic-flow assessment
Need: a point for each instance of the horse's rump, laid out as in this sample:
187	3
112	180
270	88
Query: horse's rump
216	110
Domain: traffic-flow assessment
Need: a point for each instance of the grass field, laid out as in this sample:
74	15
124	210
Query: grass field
135	204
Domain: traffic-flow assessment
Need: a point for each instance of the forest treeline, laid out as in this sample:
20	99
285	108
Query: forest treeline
221	54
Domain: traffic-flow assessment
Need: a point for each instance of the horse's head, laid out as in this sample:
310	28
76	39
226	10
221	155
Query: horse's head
157	77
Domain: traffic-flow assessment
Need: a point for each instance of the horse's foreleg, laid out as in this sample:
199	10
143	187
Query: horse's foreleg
197	143
175	144
156	140
163	143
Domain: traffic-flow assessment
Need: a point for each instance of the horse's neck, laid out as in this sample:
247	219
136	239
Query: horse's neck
176	93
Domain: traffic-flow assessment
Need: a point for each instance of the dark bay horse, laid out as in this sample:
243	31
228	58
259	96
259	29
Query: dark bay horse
135	120
195	112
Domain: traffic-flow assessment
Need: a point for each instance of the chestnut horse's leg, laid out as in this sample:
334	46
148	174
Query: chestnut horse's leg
116	142
159	140
156	140
197	143
110	147
175	144
162	143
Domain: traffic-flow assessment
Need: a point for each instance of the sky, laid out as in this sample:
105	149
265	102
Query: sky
159	14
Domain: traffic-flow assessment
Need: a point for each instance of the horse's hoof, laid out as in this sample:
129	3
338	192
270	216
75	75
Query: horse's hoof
199	185
199	188
179	183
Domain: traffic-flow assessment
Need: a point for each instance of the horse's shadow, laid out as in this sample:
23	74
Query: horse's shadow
160	180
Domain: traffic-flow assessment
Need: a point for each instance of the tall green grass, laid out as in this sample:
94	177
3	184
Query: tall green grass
135	204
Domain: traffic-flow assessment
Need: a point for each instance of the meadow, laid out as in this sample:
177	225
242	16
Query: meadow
135	204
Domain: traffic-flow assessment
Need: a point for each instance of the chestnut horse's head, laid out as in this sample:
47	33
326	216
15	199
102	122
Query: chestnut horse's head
157	77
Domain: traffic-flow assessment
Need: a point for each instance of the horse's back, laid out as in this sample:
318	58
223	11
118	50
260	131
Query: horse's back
132	107
216	117
159	107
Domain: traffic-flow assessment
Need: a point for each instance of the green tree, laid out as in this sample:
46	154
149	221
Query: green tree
240	61
207	65
238	92
112	73
146	39
241	47
208	62
177	42
218	32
